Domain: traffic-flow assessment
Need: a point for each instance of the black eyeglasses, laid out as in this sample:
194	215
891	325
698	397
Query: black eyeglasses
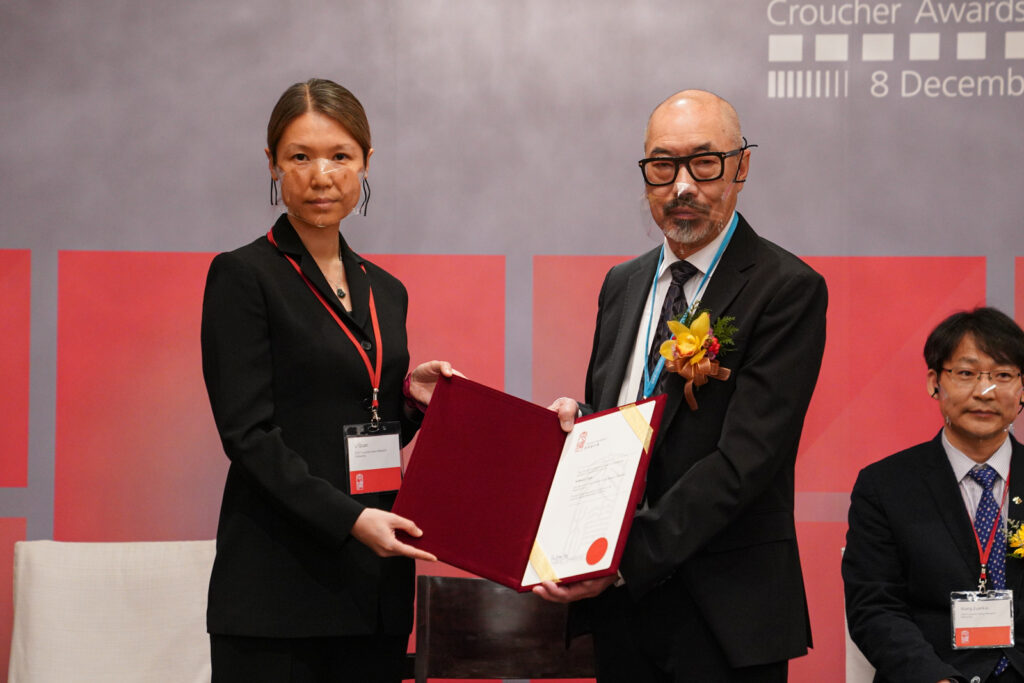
703	167
967	376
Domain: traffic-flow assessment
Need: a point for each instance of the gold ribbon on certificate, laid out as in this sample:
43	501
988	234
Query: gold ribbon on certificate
641	427
541	565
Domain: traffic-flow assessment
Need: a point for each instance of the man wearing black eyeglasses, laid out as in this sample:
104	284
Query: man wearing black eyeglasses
710	587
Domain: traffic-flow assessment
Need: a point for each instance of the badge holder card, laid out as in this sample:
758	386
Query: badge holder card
373	454
982	619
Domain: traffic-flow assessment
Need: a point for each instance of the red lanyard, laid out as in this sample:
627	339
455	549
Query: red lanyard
374	372
985	552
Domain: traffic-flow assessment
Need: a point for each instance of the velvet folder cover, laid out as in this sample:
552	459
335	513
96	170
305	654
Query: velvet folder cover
479	476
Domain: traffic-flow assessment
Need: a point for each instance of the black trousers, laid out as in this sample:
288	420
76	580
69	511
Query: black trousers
666	641
352	659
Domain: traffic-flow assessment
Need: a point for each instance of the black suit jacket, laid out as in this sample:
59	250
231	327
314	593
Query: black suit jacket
719	515
283	379
909	545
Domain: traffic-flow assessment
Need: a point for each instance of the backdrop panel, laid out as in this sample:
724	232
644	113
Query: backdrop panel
130	451
820	555
565	291
1019	298
138	457
15	320
1019	288
12	530
871	400
460	319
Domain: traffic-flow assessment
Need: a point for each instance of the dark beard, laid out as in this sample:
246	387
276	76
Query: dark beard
689	230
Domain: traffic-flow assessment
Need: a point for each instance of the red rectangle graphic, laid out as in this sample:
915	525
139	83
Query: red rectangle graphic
983	636
372	481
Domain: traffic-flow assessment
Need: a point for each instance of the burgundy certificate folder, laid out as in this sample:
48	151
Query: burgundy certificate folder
479	479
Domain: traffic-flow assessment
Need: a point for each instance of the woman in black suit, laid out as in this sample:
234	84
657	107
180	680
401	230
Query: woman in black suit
304	341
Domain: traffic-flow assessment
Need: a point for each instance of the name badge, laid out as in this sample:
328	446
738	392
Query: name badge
982	619
374	456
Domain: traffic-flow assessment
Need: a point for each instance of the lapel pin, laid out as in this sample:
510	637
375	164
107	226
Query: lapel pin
1016	499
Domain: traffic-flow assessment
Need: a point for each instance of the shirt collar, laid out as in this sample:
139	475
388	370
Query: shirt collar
701	259
961	464
288	241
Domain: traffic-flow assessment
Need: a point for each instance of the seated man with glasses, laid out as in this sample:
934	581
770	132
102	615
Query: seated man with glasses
933	586
710	587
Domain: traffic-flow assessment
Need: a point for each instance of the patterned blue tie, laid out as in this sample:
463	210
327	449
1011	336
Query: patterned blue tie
984	518
672	309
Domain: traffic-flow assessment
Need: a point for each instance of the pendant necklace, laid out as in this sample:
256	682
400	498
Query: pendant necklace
338	290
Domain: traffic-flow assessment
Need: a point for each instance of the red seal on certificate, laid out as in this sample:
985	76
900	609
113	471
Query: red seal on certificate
597	550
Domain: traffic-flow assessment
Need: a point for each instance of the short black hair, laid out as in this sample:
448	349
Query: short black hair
993	331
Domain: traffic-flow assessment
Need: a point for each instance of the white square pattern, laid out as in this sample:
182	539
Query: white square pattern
924	47
785	48
877	47
831	47
880	47
1015	45
970	45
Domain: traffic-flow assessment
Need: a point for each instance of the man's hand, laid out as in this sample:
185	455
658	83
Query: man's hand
553	592
376	529
567	410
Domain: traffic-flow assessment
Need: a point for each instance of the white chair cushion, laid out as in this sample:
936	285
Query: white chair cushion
111	612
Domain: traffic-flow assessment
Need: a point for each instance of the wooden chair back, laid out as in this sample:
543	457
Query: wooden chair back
472	628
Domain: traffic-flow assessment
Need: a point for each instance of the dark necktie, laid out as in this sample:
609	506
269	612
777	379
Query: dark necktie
984	519
672	309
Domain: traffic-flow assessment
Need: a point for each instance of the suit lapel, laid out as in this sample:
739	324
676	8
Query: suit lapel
731	275
634	299
945	491
725	284
1015	512
288	241
358	287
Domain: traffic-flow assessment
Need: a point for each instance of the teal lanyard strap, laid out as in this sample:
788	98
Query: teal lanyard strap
651	380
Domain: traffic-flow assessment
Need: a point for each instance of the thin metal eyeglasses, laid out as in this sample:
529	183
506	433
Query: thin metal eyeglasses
965	376
703	167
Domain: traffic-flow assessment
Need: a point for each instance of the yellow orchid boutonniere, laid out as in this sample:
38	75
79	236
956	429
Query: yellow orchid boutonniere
1014	539
694	350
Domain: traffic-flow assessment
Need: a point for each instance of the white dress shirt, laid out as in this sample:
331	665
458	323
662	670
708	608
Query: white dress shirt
971	490
702	261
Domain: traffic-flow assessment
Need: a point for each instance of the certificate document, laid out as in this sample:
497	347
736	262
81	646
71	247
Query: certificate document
590	494
501	491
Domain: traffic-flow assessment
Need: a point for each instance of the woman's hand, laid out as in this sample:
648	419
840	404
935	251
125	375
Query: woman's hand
376	529
423	379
